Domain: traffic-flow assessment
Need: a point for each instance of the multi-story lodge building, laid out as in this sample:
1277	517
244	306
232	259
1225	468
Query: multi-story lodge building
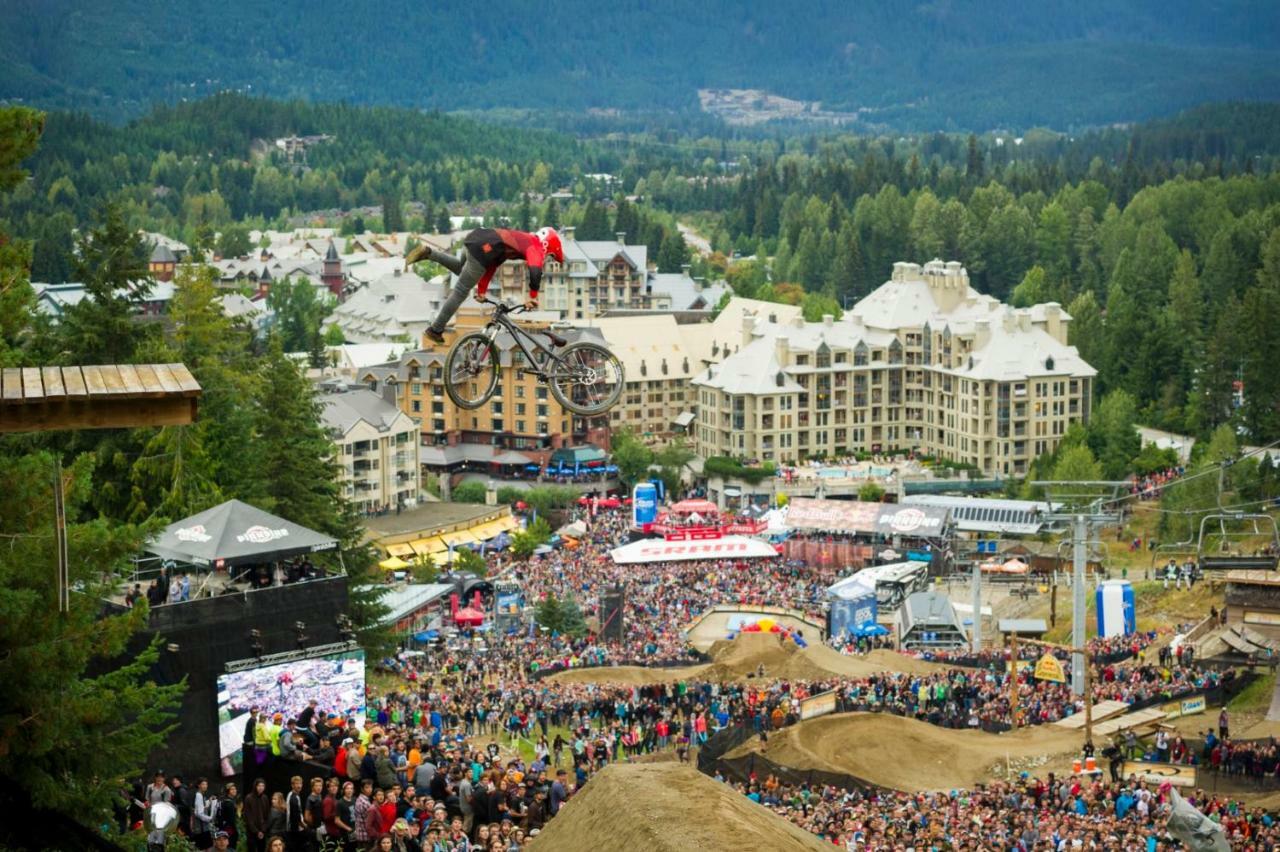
923	363
520	426
377	449
600	277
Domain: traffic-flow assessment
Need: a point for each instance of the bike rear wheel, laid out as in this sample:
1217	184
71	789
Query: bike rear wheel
586	379
471	370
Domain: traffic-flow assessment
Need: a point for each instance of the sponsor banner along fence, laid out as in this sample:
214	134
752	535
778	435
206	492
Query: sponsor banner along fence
847	516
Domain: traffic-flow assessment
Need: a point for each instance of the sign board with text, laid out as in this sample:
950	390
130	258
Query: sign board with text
1158	773
1050	668
818	705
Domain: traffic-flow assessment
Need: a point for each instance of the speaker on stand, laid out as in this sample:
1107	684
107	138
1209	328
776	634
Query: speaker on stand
613	604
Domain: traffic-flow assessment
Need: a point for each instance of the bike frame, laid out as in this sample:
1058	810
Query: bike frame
501	321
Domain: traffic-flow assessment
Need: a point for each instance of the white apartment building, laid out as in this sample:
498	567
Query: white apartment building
924	362
376	448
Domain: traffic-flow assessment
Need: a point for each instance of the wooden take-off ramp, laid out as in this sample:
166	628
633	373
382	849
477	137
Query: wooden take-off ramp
109	396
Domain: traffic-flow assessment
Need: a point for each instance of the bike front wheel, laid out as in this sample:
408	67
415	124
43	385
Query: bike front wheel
586	378
471	370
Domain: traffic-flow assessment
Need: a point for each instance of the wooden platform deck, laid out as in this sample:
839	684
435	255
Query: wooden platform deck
1137	719
108	396
1102	710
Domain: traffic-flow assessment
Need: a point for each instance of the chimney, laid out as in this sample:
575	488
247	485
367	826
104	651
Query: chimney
622	237
748	326
568	232
389	393
684	269
982	334
828	320
1053	323
797	321
782	348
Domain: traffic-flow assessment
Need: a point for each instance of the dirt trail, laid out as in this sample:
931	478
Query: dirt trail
666	807
905	754
629	675
745	656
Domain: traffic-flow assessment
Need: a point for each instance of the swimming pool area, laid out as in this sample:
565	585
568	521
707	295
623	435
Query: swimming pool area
854	472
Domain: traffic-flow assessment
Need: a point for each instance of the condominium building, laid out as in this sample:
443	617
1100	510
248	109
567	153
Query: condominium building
522	424
377	449
923	363
657	400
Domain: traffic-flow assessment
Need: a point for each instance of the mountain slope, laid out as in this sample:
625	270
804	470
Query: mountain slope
947	63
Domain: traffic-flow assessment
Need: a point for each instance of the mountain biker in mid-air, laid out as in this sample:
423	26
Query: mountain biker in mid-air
485	249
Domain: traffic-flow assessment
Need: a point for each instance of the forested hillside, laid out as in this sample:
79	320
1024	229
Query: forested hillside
1163	240
962	64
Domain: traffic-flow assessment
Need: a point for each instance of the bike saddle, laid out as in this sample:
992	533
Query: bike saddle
556	340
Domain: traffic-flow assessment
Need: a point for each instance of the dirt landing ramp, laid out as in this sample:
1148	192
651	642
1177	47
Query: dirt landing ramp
906	754
664	808
733	658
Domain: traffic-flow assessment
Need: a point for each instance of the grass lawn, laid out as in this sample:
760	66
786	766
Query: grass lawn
1256	697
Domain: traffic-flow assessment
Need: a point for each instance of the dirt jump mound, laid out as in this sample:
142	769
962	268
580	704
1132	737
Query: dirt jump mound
629	675
906	754
667	807
781	657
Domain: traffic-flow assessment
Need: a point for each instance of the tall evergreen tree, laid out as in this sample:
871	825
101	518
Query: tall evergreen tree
1260	347
848	270
291	471
20	130
626	221
111	262
293	457
392	213
594	224
524	219
1212	392
1086	331
551	215
443	225
68	681
673	252
975	167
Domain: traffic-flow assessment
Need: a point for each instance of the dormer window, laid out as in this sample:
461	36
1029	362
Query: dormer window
781	379
1048	363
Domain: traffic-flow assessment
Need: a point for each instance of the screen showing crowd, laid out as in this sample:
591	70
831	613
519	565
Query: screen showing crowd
335	681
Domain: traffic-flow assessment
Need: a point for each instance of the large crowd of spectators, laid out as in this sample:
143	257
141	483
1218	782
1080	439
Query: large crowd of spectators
1028	813
478	751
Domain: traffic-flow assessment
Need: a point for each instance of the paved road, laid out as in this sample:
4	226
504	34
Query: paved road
694	239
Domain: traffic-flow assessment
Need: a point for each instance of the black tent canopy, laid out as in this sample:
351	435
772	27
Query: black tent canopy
235	533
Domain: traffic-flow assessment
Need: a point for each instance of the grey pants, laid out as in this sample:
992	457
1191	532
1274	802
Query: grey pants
469	272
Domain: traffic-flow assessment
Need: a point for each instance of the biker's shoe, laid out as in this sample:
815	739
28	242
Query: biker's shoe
434	336
422	251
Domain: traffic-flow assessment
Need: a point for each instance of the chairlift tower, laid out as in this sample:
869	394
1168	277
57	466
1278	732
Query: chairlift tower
1084	505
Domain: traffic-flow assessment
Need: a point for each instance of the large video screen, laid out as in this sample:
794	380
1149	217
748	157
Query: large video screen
335	681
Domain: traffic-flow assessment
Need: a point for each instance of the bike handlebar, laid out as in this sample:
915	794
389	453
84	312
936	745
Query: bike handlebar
502	307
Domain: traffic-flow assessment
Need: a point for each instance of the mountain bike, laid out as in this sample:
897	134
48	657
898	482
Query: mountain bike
585	377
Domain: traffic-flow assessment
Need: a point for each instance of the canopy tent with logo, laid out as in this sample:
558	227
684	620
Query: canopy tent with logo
235	533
